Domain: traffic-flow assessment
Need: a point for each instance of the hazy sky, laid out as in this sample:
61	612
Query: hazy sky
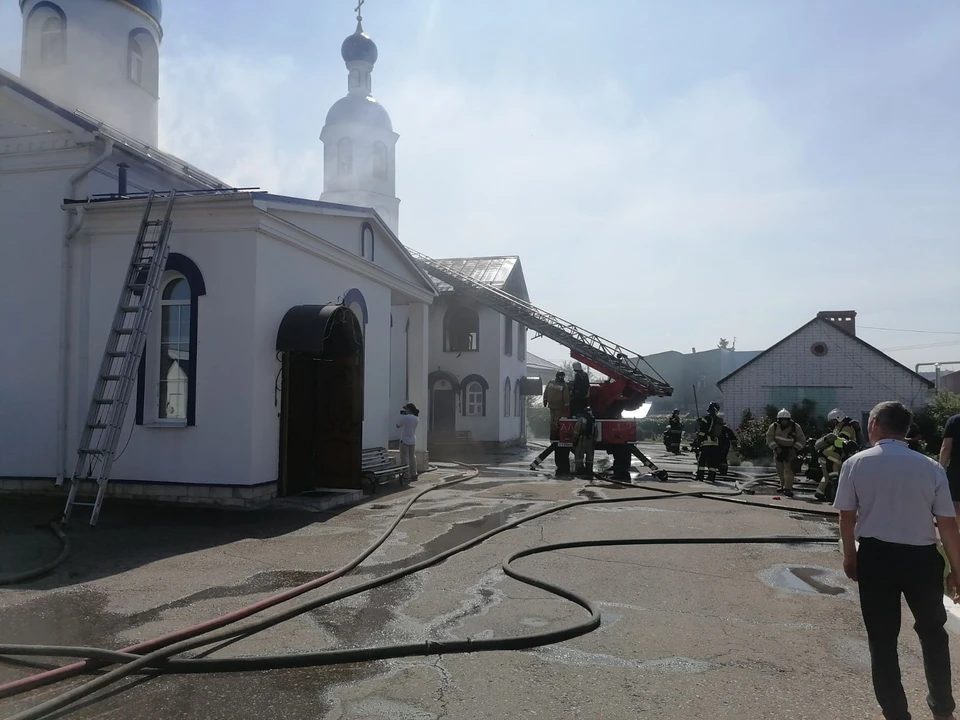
669	172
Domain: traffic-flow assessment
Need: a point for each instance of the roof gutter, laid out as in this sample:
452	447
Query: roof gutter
63	366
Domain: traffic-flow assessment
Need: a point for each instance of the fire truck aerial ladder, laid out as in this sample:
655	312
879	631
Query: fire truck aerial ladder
627	388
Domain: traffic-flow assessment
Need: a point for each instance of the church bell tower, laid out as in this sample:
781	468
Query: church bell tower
359	144
98	56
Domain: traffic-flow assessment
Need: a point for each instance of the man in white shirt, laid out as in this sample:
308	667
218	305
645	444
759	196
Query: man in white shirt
888	498
409	419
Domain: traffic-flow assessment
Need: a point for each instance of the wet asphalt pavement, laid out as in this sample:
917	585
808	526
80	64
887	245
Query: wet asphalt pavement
737	631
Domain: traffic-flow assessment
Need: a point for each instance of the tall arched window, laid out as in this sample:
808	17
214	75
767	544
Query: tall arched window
473	399
474	404
353	79
507	397
521	343
379	161
516	399
53	42
135	61
174	349
344	157
507	336
461	330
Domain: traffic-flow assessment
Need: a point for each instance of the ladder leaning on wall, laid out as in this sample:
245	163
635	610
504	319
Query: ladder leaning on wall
121	357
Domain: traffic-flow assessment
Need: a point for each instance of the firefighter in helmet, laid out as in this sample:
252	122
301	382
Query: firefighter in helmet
673	435
556	397
728	440
708	438
785	438
580	390
834	448
585	434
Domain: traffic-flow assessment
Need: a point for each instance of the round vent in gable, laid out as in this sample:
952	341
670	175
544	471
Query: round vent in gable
819	349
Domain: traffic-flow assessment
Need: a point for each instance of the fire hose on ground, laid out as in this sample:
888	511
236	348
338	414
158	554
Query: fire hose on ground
162	649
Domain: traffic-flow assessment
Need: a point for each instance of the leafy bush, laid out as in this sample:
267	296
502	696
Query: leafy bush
932	419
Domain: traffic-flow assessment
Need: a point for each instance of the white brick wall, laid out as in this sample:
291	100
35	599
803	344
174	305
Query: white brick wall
861	377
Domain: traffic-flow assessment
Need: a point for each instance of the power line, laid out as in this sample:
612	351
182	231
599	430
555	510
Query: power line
925	332
922	347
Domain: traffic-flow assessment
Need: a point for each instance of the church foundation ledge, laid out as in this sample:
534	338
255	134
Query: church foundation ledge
239	496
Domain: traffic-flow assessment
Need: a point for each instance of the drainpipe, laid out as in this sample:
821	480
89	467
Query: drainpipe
937	366
63	366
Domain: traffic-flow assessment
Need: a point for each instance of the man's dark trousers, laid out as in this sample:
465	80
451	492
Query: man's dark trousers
885	571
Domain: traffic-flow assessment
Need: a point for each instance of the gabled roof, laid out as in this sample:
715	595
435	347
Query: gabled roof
123	142
833	326
502	272
535	361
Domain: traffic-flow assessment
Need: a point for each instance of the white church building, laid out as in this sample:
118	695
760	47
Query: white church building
288	332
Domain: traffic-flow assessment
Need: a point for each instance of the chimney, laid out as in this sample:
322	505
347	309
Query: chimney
844	319
122	179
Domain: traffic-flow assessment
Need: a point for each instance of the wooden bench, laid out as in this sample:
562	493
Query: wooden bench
377	466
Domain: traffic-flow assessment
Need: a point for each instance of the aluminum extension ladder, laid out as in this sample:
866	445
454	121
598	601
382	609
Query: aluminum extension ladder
601	354
121	358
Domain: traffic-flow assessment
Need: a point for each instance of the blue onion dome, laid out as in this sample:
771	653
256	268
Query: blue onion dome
153	8
359	47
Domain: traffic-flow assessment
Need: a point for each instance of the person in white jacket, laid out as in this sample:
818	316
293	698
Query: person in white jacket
409	420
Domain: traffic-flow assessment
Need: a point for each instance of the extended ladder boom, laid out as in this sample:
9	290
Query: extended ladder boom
609	358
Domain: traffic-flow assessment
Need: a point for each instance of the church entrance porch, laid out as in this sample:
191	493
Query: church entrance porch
321	413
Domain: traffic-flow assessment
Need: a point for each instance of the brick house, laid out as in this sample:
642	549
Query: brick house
823	361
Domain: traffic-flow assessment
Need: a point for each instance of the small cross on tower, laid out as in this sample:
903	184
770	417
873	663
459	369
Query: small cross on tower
358	8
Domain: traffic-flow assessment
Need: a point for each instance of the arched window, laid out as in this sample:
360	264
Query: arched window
461	330
521	343
353	79
143	60
507	336
507	397
474	396
367	241
53	42
516	398
344	157
379	161
474	404
169	362
174	349
135	61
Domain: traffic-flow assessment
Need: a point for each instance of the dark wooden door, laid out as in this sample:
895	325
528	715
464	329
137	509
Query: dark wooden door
340	426
298	424
444	410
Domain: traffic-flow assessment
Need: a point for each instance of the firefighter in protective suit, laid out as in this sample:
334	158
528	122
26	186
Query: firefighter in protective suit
556	396
708	438
580	391
834	448
673	435
785	438
585	434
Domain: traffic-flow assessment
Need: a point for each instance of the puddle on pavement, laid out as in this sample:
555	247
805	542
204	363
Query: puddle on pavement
805	579
590	493
430	512
456	535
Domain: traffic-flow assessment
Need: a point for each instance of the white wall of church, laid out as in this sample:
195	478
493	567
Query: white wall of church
33	184
486	362
344	232
286	277
218	449
511	368
398	368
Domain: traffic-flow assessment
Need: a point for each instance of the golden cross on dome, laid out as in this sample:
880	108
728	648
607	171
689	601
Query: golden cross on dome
358	8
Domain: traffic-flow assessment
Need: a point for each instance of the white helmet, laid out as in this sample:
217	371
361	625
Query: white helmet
835	414
783	414
577	366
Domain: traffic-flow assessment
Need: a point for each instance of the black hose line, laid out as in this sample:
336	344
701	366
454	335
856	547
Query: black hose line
429	647
159	658
43	569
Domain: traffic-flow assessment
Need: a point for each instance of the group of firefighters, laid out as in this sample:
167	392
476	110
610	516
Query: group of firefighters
714	439
785	439
572	399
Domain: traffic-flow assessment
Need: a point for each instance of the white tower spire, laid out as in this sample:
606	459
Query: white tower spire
359	145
